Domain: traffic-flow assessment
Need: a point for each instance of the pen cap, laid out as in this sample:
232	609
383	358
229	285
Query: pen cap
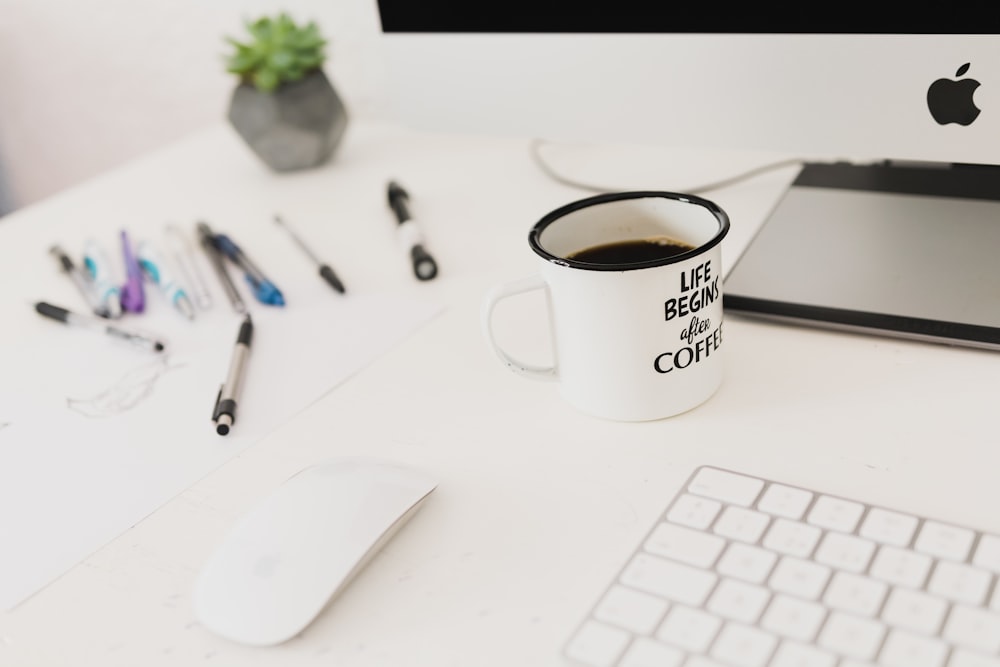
64	261
424	266
397	201
54	312
205	235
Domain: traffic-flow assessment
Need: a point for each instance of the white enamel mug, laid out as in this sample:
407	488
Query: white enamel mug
634	339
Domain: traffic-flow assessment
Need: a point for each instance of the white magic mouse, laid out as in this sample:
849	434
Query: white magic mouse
301	545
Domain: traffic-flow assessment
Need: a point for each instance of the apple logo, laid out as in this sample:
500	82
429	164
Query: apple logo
950	100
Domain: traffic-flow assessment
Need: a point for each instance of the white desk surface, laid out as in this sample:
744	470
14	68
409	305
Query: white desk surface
537	505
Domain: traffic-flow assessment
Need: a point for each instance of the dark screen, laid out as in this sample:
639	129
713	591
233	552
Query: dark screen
643	16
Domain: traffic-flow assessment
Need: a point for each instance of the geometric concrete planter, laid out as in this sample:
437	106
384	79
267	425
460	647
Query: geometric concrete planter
298	126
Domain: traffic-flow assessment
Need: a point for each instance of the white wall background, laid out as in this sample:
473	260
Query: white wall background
86	86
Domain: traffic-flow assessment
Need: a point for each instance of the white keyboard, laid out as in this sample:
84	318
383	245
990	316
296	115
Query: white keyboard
745	572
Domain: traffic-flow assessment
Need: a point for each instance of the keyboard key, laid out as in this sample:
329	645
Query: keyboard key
973	628
888	527
746	562
901	567
739	523
785	501
903	649
801	578
944	541
738	601
845	552
792	538
793	618
685	545
835	514
630	609
963	658
988	553
597	644
742	646
914	610
701	661
689	629
851	636
726	486
855	594
959	582
648	653
674	581
790	654
693	511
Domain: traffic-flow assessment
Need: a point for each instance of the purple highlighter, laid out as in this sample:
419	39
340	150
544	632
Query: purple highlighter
133	297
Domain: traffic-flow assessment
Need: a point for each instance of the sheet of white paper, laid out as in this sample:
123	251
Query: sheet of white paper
96	434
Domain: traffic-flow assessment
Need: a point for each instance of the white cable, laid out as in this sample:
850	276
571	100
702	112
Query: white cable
536	155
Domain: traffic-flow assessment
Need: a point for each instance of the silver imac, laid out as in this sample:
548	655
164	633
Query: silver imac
893	116
828	86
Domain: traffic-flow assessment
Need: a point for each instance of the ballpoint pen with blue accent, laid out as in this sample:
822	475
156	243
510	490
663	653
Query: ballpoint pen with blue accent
99	267
263	289
153	267
82	281
177	245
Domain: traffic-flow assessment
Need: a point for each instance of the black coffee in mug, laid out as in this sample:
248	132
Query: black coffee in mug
632	251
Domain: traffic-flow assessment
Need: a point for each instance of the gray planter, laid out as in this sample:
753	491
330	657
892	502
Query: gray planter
298	126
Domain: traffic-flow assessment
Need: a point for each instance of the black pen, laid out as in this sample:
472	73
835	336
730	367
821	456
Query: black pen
207	238
224	414
424	266
97	324
325	270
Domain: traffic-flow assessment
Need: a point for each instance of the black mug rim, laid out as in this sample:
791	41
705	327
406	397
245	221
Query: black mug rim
562	211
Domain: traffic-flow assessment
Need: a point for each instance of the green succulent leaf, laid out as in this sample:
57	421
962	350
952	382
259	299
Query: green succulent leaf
266	79
282	60
311	61
260	29
278	51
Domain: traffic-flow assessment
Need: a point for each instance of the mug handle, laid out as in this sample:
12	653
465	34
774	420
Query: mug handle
496	295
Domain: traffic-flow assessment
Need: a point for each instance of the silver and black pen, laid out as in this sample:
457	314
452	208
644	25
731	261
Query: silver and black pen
207	239
224	414
68	317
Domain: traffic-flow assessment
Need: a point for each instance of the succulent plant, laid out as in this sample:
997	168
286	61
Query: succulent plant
280	51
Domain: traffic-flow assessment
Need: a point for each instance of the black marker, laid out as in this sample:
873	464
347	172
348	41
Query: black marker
75	319
224	414
424	266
